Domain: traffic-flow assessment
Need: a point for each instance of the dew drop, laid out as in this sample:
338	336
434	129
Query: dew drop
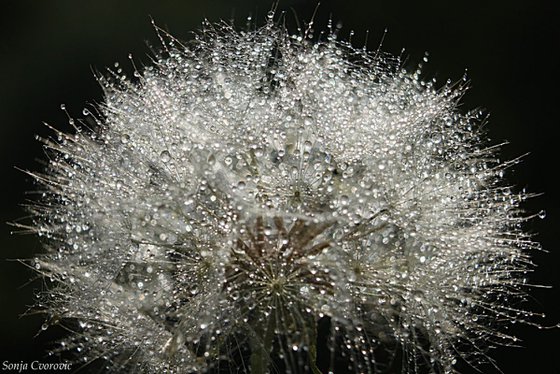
436	138
165	156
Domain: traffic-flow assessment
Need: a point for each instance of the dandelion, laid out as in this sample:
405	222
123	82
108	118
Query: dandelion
255	200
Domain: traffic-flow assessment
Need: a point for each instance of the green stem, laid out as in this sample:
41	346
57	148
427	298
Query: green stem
313	347
261	346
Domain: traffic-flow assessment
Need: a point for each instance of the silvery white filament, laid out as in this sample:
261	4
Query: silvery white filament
252	183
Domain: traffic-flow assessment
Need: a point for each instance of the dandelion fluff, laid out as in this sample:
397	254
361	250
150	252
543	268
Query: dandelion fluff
252	186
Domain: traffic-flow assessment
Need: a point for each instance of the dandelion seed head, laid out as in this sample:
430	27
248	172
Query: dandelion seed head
252	184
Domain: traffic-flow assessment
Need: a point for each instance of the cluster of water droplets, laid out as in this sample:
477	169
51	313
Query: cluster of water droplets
257	201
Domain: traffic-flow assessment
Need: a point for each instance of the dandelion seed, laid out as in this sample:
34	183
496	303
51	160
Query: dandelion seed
254	185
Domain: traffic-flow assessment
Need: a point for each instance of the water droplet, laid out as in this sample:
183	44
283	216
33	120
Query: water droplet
542	214
165	156
436	138
418	296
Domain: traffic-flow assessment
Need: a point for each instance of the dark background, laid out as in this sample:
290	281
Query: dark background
48	50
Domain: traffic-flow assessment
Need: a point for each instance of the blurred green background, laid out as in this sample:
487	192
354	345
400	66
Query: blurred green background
48	50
